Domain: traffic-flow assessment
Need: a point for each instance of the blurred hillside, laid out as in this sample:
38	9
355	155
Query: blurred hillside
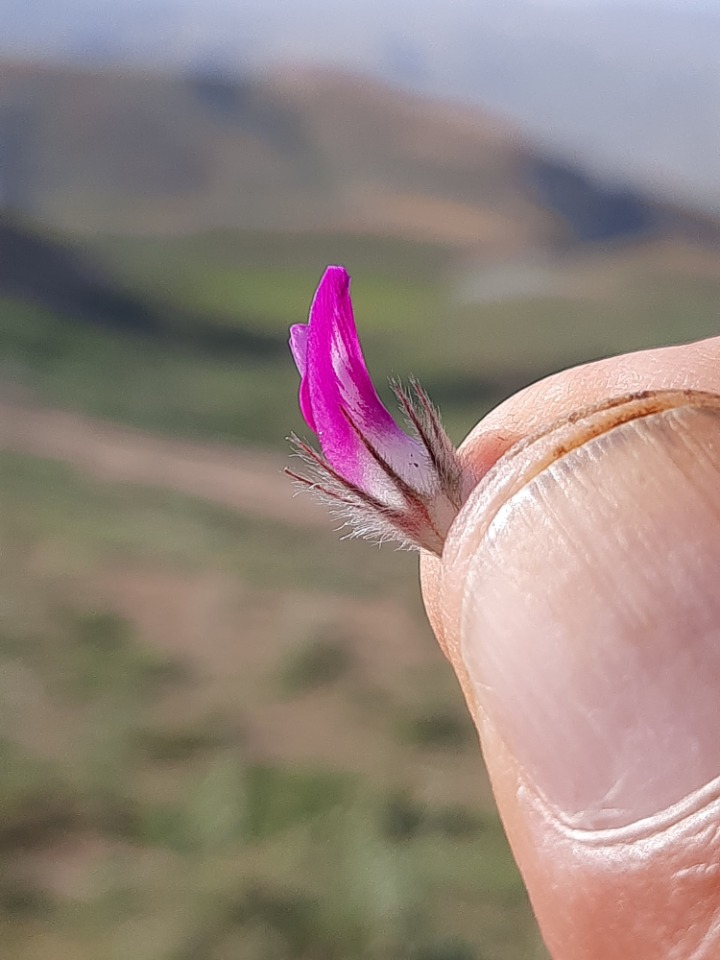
311	151
225	734
632	86
303	150
178	223
175	225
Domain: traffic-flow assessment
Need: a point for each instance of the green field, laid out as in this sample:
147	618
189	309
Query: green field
468	356
224	737
152	804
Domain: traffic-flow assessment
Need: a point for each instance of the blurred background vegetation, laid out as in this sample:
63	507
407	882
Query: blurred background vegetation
223	732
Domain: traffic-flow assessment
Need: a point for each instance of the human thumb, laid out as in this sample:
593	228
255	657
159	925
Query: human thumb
579	599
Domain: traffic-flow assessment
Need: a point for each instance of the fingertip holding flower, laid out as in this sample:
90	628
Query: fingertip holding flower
386	483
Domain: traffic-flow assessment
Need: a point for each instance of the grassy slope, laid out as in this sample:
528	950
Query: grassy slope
141	152
173	672
222	738
153	649
469	356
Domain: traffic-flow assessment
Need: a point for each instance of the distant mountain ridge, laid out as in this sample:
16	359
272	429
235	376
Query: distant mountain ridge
140	152
36	269
631	86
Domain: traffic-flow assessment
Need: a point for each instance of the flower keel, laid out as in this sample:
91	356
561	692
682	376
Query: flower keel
384	483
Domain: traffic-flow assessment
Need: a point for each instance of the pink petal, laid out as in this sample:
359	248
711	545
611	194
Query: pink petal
337	388
298	348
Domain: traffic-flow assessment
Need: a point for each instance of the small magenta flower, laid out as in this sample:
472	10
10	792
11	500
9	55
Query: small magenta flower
384	482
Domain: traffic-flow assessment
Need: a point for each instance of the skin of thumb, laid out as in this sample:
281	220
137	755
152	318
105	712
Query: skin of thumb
582	616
